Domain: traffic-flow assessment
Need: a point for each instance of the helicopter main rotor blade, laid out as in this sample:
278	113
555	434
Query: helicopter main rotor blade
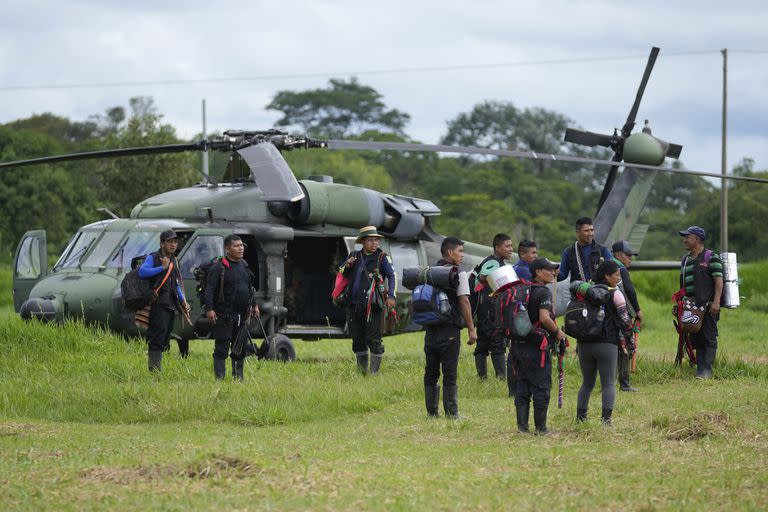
640	90
109	153
473	150
587	138
271	173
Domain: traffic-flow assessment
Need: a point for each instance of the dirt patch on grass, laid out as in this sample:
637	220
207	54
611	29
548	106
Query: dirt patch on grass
14	429
698	426
219	466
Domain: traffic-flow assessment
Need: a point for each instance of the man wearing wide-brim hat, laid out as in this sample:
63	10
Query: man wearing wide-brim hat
373	286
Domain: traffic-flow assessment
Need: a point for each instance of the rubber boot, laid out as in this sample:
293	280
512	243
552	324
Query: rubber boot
362	361
606	418
624	364
707	359
219	368
522	417
581	415
432	398
481	363
154	360
499	365
540	420
376	363
237	369
451	402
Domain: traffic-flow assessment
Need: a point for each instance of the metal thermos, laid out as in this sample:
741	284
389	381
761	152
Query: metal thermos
730	280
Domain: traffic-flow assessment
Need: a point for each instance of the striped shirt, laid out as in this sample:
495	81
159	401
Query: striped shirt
715	269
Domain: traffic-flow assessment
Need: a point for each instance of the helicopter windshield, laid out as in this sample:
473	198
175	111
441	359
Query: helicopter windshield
136	244
76	249
104	247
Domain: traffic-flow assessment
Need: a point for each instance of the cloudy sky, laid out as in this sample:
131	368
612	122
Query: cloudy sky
431	59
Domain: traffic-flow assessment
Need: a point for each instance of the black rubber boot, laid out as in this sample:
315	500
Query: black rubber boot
376	363
606	418
451	402
499	365
432	399
154	361
522	417
624	365
362	361
581	415
540	420
707	358
219	368
481	363
237	369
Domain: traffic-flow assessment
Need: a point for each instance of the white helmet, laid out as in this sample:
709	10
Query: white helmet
501	277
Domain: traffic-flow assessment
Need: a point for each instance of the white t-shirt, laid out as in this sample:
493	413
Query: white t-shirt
463	288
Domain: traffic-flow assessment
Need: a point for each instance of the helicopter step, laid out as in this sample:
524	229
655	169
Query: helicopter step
313	332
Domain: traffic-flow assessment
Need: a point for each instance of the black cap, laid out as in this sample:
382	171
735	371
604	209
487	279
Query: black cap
166	235
539	263
623	246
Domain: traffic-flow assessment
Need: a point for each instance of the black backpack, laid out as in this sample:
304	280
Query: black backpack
137	293
586	312
201	277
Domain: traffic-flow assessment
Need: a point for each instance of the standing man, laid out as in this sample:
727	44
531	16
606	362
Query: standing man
229	298
527	251
622	255
366	270
701	273
530	356
580	260
489	341
443	342
502	251
162	269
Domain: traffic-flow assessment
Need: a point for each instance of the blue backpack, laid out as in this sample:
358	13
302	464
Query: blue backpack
430	305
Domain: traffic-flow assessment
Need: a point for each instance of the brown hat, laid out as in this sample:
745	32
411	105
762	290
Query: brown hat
368	231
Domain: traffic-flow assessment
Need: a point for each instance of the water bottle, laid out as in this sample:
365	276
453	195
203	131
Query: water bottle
601	314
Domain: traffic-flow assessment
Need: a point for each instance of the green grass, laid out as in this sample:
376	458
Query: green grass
84	425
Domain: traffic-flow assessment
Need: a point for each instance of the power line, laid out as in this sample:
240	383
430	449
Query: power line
293	76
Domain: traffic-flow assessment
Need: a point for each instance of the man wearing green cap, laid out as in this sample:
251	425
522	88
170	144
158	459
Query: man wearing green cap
488	340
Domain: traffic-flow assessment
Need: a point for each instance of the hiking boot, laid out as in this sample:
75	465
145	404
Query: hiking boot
154	360
522	417
451	402
362	361
481	363
237	369
581	415
219	368
606	417
376	363
628	387
432	398
540	420
499	365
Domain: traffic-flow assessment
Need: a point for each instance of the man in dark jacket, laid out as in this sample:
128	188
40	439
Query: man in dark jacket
622	255
489	341
367	270
580	260
230	298
701	274
162	269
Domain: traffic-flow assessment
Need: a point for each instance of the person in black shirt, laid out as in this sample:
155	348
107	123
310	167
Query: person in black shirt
622	256
488	339
229	297
530	356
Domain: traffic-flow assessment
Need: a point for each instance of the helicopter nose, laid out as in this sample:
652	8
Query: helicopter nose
38	308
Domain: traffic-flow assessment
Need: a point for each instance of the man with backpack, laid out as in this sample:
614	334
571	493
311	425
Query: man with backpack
442	342
229	301
368	297
580	260
701	275
162	268
489	341
622	256
531	361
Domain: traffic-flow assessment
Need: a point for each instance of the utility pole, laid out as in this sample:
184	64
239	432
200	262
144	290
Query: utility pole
205	153
723	162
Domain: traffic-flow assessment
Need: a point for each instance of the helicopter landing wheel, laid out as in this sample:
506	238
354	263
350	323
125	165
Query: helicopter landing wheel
280	348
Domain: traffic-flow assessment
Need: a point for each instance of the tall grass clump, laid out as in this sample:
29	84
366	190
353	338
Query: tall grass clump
6	286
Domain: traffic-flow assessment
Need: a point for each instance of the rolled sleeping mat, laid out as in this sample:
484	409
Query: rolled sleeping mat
443	277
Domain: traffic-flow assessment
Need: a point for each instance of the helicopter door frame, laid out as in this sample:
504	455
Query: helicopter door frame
25	278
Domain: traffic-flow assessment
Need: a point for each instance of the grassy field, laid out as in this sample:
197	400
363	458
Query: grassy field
83	425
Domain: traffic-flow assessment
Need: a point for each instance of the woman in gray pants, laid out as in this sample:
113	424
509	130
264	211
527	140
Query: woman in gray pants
600	355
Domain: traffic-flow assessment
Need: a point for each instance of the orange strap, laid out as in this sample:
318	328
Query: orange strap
170	269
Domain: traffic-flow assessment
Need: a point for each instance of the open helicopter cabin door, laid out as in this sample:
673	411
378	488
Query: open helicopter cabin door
30	265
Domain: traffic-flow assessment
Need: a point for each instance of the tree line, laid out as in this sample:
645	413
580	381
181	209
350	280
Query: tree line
478	196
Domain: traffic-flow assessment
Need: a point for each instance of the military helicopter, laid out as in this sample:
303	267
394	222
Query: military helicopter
296	232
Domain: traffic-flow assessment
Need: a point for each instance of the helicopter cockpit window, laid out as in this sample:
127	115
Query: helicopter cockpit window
28	266
203	249
104	247
403	255
77	249
137	243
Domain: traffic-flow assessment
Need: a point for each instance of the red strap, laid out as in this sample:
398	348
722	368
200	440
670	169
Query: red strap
543	347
